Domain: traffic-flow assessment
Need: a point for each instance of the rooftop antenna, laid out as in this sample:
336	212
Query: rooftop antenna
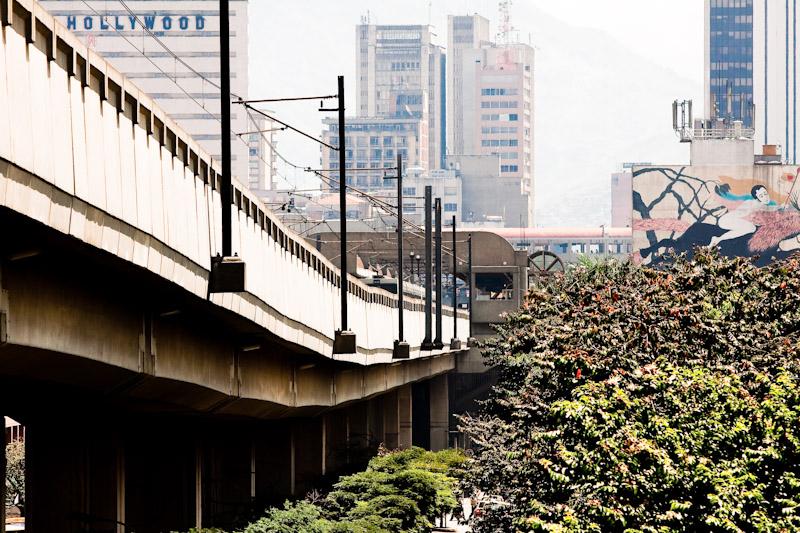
682	120
505	29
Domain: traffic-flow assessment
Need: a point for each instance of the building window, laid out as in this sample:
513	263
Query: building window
409	191
450	208
494	286
509	168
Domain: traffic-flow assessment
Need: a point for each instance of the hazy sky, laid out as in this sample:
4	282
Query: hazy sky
299	47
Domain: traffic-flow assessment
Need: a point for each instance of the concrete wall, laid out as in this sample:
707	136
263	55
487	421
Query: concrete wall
747	210
98	162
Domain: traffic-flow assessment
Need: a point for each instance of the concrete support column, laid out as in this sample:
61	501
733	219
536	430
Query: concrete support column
273	463
335	441
404	412
307	455
391	421
440	413
358	439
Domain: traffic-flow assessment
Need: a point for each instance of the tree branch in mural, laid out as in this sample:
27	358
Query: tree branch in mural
707	213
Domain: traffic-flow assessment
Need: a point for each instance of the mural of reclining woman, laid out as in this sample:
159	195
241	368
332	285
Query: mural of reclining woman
737	220
742	217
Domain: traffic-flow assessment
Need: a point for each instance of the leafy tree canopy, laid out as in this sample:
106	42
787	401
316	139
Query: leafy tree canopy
639	400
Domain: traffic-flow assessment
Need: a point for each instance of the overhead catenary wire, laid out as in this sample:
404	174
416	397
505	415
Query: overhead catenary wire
374	200
188	67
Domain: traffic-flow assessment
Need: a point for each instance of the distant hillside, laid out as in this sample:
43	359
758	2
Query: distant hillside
598	104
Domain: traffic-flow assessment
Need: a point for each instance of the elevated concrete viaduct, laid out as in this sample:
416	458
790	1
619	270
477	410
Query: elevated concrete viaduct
149	404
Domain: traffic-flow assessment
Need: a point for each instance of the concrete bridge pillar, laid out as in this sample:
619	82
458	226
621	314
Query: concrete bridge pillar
391	420
404	412
273	463
307	454
439	412
73	478
358	437
336	452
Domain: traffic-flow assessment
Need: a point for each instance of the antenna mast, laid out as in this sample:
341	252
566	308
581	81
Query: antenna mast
505	29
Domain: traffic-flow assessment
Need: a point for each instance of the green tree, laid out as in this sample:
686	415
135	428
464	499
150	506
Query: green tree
15	475
639	400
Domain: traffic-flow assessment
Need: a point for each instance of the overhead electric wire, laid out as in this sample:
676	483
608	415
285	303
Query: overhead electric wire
166	48
260	112
291	99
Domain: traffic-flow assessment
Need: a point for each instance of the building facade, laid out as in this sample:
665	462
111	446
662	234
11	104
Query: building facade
745	205
751	68
400	73
140	44
491	99
372	147
445	184
729	60
262	157
464	33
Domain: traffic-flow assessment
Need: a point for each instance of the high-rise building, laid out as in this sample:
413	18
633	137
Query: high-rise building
729	60
491	100
372	145
466	33
751	67
141	46
400	74
260	142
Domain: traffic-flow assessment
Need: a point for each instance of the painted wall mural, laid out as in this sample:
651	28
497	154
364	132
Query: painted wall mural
745	210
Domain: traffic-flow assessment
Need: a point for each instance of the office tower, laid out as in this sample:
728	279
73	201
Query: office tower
464	33
372	146
492	115
751	68
400	74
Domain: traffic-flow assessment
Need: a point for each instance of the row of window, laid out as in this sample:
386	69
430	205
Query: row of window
511	117
499	129
739	51
731	65
373	141
499	92
509	168
404	65
732	3
494	104
733	82
499	142
732	34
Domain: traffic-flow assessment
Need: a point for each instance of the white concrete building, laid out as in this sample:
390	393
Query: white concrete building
190	29
465	33
372	147
445	184
491	113
400	74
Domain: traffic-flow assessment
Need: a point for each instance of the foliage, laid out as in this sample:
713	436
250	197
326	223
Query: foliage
15	475
639	400
400	492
